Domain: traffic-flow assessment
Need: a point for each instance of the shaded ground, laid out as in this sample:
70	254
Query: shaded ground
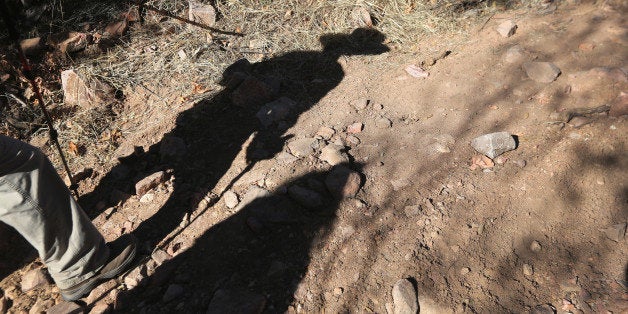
465	236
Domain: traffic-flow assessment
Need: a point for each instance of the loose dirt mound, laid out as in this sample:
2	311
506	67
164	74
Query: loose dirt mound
315	180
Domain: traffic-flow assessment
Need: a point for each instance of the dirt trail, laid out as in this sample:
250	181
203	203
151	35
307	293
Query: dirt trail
531	230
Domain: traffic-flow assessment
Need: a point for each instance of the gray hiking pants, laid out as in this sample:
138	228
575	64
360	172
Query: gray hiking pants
35	201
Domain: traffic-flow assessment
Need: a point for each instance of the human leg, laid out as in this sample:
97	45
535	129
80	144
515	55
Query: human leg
35	201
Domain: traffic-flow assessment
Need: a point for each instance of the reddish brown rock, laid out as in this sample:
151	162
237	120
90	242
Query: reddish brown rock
343	182
80	91
149	182
202	13
355	128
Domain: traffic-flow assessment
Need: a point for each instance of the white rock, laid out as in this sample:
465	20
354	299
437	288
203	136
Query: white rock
34	278
507	28
404	298
494	144
147	198
231	199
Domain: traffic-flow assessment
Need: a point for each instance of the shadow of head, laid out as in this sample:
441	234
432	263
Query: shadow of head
362	41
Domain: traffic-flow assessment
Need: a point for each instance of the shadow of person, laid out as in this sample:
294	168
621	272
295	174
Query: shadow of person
254	260
259	103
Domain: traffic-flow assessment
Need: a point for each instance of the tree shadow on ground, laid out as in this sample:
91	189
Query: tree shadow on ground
251	262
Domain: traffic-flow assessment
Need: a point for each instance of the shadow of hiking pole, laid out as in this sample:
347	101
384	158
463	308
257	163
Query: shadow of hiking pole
254	260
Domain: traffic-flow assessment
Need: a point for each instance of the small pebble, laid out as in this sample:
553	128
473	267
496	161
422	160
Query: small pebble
465	270
520	163
535	246
528	270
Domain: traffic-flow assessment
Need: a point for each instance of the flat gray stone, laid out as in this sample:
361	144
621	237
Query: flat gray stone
543	72
405	298
253	193
275	111
303	147
286	158
494	144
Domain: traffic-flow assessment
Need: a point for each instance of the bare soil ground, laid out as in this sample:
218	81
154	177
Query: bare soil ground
543	225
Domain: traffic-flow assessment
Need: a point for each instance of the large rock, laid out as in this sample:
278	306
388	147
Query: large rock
494	144
275	111
543	72
202	13
305	197
81	91
405	298
34	278
231	199
229	301
343	182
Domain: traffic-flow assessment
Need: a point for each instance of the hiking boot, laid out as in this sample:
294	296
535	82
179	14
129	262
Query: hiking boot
121	254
